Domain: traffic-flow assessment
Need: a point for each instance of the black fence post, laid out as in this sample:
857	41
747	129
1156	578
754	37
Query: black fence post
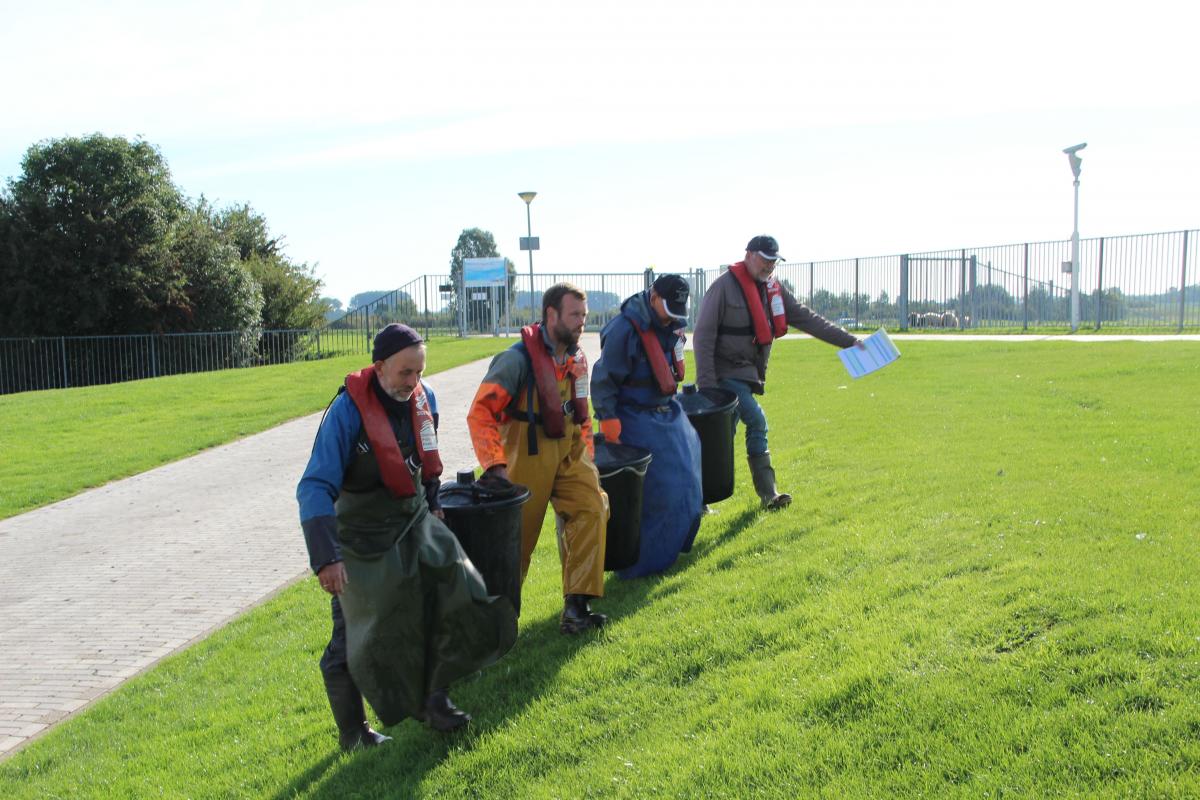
857	314
902	300
1100	285
962	285
975	295
425	291
1183	282
1025	292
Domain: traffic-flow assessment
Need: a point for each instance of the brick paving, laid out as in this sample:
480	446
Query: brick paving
99	587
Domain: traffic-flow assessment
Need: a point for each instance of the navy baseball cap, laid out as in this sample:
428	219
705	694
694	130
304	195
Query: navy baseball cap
673	289
765	246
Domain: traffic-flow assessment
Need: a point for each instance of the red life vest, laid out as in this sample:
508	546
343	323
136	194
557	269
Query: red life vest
764	333
392	467
668	377
546	380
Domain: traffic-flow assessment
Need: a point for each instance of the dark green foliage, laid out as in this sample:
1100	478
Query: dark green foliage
86	230
95	239
291	293
222	295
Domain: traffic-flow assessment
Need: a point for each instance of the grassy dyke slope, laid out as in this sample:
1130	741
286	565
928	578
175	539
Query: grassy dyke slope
57	443
985	587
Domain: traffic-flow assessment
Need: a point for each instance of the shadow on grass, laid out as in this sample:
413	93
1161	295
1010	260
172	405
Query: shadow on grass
624	597
498	693
493	696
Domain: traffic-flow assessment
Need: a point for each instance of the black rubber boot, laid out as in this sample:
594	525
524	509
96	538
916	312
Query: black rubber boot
441	713
347	705
764	483
577	615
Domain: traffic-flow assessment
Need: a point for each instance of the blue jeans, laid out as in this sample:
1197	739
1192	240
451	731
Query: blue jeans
751	413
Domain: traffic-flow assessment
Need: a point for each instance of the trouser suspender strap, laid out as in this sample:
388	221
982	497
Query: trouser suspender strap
533	448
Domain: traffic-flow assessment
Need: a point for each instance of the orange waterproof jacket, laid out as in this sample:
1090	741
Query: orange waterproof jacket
503	398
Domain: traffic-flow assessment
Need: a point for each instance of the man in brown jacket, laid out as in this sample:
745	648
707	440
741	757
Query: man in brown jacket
742	313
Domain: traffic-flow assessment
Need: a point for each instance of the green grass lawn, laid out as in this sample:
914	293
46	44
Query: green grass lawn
986	587
56	443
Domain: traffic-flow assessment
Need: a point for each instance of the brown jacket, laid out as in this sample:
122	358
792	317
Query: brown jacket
724	341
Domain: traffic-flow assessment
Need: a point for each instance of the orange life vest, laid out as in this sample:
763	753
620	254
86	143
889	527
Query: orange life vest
764	332
667	376
392	467
545	378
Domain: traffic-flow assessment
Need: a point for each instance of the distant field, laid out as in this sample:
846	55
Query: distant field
56	443
985	588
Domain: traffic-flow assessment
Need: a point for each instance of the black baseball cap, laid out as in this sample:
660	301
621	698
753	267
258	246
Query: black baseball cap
765	246
673	289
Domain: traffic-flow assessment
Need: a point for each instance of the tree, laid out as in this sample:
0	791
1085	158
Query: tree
991	301
478	243
86	239
472	243
334	308
291	293
379	308
366	298
222	295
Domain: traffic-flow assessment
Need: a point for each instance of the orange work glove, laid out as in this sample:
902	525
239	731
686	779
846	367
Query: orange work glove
611	428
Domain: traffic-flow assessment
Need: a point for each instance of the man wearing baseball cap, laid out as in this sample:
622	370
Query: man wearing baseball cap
633	394
742	313
410	612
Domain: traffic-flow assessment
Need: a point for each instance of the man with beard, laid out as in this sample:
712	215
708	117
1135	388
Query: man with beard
410	612
743	312
633	392
530	424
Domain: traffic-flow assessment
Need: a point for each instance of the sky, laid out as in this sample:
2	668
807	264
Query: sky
655	133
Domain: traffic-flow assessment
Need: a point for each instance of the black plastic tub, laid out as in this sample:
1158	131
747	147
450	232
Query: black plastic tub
711	412
622	469
488	526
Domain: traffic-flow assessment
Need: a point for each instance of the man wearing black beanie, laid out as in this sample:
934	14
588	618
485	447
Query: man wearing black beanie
410	612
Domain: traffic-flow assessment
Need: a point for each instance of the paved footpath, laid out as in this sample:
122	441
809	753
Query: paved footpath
99	587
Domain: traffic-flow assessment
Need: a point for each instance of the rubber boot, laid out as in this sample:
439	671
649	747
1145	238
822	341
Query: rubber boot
577	615
441	713
764	483
347	705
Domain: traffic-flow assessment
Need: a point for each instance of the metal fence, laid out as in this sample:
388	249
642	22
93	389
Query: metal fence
29	364
1146	281
439	305
1139	281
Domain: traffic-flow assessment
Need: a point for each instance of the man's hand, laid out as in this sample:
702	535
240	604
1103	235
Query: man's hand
333	577
499	470
440	514
860	344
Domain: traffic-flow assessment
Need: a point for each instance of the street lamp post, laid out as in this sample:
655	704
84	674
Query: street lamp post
530	244
1076	161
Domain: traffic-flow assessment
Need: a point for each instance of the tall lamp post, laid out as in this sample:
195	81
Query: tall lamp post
529	243
1076	161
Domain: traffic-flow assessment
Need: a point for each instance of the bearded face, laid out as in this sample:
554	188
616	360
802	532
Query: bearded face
566	326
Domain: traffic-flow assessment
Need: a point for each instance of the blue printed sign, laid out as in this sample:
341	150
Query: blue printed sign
484	272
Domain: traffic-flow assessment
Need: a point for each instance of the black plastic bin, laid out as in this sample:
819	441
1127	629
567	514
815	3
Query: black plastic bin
711	412
622	469
488	526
